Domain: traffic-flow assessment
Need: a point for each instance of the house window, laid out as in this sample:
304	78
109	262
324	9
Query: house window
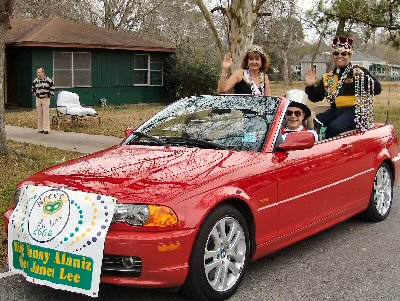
148	70
72	69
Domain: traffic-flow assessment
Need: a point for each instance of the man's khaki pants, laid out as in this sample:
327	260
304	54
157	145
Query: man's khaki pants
43	108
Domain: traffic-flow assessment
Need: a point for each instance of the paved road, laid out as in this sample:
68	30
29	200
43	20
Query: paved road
354	260
79	142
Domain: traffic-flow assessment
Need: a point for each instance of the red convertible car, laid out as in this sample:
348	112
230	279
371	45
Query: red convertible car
206	186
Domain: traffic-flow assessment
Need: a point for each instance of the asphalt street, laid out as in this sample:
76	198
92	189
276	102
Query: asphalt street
354	260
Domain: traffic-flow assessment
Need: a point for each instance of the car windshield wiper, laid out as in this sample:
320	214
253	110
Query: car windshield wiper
151	138
192	141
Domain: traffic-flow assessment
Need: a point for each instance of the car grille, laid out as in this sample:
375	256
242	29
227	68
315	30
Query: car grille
114	266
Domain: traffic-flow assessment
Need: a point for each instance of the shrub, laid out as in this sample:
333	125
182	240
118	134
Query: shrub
191	70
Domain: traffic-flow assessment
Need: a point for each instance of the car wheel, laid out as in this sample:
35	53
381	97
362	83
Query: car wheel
219	256
54	120
382	194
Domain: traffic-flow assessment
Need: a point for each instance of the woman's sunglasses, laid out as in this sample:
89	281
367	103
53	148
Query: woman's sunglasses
336	53
296	113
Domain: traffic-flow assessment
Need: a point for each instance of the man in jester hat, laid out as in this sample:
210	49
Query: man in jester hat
349	89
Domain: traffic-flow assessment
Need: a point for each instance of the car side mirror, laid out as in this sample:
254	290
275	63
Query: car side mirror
298	141
128	131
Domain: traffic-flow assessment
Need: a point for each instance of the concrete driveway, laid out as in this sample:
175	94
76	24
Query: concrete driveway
79	142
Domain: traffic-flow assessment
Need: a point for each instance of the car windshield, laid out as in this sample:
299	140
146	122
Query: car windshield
222	122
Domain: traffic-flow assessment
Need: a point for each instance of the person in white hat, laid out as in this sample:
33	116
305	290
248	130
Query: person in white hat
296	113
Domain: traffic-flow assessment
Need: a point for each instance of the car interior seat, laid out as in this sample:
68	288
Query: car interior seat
315	126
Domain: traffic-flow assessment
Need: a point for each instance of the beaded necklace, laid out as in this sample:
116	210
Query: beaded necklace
254	89
364	106
330	95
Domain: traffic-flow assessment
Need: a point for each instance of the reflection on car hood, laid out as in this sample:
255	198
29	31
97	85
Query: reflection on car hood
143	174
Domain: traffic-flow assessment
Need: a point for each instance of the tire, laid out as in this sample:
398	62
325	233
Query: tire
381	199
216	272
74	119
54	120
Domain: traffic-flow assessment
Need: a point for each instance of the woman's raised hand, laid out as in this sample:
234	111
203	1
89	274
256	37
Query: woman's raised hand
311	77
227	62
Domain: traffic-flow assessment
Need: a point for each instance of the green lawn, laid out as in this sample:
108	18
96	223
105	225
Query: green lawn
114	119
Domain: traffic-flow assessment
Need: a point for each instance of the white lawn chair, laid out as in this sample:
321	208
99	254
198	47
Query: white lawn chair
68	105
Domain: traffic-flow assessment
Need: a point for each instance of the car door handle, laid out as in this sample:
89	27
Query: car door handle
346	148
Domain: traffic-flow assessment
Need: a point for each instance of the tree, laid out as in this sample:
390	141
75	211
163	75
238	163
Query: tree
282	33
40	10
345	15
176	21
121	15
6	9
241	19
191	71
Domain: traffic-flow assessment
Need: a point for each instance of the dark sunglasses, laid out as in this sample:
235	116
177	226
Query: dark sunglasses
336	53
296	113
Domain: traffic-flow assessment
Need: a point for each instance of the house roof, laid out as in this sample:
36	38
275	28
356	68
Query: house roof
358	56
318	59
59	32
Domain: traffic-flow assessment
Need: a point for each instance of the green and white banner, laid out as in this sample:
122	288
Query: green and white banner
56	237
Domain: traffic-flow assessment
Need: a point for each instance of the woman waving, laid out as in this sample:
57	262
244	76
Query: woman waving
250	78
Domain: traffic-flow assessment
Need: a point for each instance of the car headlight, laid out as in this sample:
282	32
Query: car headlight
144	215
16	195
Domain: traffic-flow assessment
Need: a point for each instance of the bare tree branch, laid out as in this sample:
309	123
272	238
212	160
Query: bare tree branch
258	6
210	21
219	8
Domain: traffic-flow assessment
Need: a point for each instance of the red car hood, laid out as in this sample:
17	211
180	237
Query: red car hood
143	174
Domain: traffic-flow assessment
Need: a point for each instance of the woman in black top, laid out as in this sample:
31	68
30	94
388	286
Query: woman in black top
250	78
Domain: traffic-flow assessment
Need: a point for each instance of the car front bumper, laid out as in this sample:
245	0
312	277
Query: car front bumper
164	256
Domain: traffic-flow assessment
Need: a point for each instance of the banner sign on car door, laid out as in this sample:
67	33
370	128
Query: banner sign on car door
56	237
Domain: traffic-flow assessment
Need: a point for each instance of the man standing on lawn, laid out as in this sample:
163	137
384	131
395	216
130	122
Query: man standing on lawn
349	89
43	88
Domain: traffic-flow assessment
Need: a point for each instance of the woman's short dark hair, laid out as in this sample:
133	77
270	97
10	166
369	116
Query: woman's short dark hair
265	61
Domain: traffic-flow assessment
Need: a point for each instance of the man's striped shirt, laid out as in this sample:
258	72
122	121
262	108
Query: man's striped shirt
43	88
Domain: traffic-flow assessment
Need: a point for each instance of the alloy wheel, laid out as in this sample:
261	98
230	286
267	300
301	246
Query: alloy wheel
383	190
225	254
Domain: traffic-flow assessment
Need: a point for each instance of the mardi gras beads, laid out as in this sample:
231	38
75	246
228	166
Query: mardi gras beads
254	89
364	106
330	95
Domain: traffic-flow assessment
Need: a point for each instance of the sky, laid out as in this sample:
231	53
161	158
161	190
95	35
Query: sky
310	35
307	4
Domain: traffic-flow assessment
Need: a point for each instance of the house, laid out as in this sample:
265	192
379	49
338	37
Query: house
91	61
377	66
321	64
394	72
